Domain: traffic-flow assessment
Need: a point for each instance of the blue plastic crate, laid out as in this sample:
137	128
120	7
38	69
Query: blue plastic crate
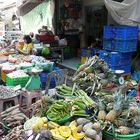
126	68
103	54
120	45
121	32
116	58
94	51
85	52
43	76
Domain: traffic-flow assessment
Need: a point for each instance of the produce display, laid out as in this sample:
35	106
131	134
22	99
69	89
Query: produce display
8	68
42	63
25	64
78	129
13	117
94	105
94	75
15	134
21	58
66	91
59	110
118	112
42	134
17	74
36	123
7	92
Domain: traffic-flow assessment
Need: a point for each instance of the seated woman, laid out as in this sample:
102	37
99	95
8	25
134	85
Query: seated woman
28	46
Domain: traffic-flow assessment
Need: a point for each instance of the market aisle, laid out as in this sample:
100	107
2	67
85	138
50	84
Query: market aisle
71	63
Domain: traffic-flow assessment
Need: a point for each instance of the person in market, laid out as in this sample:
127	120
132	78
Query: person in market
27	47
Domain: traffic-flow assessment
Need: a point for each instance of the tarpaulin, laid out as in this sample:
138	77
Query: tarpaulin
126	12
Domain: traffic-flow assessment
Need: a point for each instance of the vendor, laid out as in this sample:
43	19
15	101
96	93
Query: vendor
27	47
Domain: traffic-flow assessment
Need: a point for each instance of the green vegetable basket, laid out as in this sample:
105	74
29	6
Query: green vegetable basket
110	136
60	121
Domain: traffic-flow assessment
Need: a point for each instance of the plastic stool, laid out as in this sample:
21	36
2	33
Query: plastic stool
29	97
2	101
60	78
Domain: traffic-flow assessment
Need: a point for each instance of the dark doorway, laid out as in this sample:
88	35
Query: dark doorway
96	18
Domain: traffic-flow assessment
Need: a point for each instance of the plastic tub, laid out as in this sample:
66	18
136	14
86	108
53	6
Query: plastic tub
110	136
61	121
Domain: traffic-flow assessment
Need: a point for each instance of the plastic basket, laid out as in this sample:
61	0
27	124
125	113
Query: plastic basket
4	73
120	45
61	121
116	58
83	52
121	32
43	79
17	81
110	136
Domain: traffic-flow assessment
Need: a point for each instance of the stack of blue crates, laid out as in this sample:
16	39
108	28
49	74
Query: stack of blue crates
120	38
116	60
119	43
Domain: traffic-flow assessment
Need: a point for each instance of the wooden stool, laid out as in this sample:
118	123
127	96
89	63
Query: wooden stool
26	100
4	101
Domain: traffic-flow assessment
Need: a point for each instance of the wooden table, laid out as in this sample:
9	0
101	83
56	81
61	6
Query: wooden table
60	48
53	49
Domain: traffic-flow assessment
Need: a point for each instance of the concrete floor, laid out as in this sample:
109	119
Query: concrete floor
71	63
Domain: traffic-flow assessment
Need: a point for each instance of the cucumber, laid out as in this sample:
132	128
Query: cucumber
66	91
67	87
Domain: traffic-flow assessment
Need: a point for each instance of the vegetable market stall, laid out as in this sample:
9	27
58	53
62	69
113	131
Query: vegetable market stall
95	105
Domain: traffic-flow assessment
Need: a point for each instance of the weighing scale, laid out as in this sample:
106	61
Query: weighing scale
119	77
34	81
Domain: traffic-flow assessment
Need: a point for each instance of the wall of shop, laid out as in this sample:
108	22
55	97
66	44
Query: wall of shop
93	2
110	20
41	15
8	18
